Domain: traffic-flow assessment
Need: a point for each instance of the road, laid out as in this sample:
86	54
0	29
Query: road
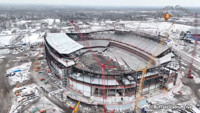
187	57
5	94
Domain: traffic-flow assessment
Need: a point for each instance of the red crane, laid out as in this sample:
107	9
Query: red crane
189	74
103	66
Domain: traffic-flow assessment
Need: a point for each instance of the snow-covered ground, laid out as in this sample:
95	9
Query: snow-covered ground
4	51
154	27
5	39
33	38
44	104
21	76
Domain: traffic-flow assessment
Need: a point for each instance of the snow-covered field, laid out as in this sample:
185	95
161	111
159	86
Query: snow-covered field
5	39
154	27
4	51
33	38
21	76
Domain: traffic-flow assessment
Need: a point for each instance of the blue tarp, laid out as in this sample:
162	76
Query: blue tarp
17	71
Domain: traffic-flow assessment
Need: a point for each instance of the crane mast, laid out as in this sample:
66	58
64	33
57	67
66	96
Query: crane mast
189	74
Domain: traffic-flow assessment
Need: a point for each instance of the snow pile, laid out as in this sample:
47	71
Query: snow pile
21	76
33	38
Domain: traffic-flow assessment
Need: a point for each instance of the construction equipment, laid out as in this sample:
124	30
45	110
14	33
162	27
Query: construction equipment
18	86
18	94
17	91
72	107
37	70
21	100
46	82
139	93
36	63
42	79
44	111
37	67
76	109
189	74
49	71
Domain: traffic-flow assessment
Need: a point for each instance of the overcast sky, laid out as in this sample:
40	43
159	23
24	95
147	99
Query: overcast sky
195	3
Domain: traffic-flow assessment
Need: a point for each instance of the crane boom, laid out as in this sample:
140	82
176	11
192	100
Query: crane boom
76	109
102	66
139	93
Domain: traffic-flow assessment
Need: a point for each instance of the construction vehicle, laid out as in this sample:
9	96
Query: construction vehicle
18	86
21	100
46	82
18	94
37	67
36	63
49	71
41	79
17	91
72	107
44	111
139	93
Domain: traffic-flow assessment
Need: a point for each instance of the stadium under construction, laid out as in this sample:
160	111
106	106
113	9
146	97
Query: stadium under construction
72	60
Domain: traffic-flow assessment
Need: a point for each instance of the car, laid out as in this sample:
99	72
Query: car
42	89
7	75
191	77
41	79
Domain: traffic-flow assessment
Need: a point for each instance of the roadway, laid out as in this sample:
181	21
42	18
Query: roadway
5	89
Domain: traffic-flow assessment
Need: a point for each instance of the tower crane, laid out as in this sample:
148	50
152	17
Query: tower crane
101	65
144	70
194	50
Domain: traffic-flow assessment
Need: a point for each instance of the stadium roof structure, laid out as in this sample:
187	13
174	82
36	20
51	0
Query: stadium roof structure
63	43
